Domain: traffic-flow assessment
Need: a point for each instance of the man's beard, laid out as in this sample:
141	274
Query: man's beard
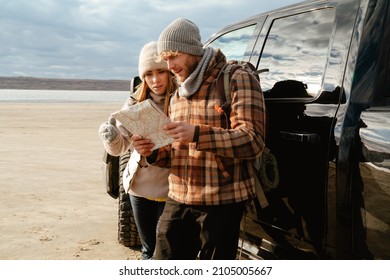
191	64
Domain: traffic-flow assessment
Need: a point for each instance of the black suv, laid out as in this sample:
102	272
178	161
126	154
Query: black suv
325	74
327	93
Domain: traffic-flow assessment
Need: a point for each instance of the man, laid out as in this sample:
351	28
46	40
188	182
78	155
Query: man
212	176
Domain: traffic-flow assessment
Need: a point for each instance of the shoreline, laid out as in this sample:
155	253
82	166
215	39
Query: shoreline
33	83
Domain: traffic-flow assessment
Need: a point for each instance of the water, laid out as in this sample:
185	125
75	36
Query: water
62	96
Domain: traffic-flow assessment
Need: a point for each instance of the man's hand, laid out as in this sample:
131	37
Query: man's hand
180	131
143	146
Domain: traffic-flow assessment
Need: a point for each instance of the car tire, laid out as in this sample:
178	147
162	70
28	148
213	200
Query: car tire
127	230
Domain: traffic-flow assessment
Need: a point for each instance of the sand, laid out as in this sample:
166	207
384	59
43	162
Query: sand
53	202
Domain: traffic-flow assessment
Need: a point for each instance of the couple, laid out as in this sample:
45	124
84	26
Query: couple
211	177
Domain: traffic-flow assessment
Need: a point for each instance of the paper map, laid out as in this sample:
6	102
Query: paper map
146	119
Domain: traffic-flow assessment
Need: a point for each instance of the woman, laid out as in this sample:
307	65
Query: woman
147	185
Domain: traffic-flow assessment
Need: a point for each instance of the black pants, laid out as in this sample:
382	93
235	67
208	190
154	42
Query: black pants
186	231
146	215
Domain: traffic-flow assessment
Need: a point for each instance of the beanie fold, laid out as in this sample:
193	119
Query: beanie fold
180	47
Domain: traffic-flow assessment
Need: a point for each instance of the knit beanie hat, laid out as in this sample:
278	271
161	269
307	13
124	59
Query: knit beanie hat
148	60
181	35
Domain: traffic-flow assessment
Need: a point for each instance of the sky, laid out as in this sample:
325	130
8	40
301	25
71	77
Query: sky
101	39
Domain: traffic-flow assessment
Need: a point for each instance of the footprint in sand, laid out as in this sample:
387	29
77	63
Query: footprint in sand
86	246
45	239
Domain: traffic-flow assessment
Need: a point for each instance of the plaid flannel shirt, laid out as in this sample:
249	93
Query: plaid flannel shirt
217	169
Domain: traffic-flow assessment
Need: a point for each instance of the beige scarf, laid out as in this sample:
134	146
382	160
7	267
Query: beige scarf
194	80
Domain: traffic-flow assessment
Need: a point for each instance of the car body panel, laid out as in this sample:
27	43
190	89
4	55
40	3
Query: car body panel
331	138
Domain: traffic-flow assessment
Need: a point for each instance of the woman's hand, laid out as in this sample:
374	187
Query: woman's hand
108	131
142	145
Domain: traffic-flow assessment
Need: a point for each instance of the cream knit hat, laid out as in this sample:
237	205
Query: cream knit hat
181	35
148	59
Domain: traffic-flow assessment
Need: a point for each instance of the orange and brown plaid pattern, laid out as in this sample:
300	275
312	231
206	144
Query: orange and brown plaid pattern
217	169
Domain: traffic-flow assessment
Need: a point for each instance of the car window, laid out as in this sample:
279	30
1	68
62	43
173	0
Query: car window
296	53
234	43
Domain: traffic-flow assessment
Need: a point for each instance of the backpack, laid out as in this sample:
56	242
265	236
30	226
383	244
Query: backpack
267	175
110	168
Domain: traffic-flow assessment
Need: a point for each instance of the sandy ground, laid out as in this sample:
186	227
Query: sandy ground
53	202
53	205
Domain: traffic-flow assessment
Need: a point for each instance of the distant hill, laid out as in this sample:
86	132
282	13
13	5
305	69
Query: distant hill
62	84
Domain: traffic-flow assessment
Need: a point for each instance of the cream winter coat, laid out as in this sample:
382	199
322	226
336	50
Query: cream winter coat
139	178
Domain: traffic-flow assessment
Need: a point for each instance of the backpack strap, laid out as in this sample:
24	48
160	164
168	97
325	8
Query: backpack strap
223	84
223	88
226	82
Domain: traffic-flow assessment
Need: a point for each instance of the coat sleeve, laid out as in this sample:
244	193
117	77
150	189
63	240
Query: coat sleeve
119	146
123	141
161	157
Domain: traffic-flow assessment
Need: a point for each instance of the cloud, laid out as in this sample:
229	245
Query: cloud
100	39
